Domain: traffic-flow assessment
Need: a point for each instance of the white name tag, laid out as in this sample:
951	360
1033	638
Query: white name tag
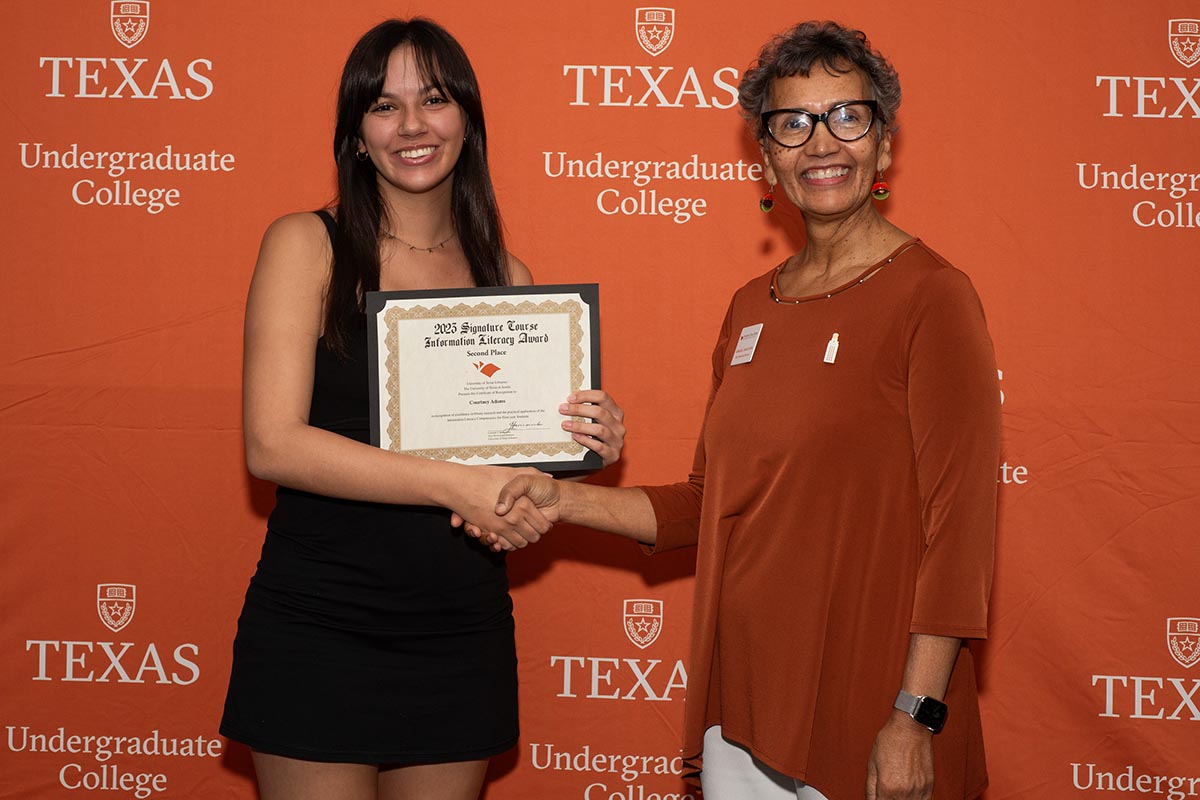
746	344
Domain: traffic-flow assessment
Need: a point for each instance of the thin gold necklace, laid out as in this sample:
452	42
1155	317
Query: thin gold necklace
437	246
775	295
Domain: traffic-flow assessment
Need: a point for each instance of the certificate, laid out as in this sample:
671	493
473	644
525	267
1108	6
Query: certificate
476	376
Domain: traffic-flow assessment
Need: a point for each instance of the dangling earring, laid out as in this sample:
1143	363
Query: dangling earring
767	201
880	190
361	155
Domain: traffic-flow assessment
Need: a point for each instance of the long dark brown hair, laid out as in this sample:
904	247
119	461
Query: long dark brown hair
444	65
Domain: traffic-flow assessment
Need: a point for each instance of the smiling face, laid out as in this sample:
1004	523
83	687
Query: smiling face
413	132
827	179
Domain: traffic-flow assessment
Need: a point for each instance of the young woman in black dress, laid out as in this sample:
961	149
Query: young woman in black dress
374	656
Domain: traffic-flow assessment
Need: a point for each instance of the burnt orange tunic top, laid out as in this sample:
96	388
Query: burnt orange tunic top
839	507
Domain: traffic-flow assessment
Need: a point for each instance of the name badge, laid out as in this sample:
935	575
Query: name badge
746	344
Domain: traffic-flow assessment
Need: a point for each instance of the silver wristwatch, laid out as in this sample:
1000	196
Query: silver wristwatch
924	710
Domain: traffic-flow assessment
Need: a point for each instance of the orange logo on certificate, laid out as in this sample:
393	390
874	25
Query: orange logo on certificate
487	369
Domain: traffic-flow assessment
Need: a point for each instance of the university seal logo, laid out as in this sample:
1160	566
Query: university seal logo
1185	41
655	29
130	21
115	603
1183	640
643	621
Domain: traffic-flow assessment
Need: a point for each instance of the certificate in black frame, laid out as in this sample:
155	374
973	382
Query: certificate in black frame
587	293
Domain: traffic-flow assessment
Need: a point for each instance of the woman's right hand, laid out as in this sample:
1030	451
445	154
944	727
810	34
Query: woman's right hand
532	496
475	507
542	493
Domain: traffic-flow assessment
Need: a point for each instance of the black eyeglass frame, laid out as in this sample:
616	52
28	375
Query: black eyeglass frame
765	120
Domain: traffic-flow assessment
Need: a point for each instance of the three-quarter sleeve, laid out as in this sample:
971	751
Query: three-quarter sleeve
954	412
677	505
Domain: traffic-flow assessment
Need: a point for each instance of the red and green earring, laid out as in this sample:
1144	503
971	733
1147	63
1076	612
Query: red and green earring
767	201
880	190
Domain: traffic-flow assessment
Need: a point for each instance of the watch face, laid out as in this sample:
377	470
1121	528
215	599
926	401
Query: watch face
931	714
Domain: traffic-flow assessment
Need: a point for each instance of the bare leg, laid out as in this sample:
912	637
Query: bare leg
281	778
459	780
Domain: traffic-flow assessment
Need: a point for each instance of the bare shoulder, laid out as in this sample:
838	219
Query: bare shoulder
302	231
292	271
518	273
296	246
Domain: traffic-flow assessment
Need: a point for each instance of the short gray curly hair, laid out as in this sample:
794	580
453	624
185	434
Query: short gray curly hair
826	44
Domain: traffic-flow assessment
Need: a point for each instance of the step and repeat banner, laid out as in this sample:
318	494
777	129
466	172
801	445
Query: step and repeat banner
1050	150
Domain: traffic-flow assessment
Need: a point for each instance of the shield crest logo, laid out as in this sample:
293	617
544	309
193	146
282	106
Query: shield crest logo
655	29
1185	41
1183	640
643	621
115	603
130	21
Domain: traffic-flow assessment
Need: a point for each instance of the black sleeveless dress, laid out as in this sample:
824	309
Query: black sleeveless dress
371	633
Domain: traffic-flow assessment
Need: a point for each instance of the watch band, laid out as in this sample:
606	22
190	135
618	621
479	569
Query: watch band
925	711
907	702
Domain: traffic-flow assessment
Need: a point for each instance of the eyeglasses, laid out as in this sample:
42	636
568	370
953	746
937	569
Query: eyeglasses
848	122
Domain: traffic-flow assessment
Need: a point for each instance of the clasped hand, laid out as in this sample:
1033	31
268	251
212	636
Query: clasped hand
479	516
527	505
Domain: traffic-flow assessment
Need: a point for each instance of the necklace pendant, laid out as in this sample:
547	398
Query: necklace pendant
413	248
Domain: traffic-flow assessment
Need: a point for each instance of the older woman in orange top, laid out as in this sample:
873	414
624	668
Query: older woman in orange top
843	497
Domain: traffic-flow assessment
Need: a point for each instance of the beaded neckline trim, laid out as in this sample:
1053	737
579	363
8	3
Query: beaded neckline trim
787	301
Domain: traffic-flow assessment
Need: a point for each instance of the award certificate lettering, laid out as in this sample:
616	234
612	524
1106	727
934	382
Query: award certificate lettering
476	376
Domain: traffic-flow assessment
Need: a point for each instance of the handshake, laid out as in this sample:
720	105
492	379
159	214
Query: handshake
519	505
527	506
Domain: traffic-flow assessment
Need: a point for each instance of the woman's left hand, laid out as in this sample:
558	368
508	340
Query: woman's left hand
605	434
901	764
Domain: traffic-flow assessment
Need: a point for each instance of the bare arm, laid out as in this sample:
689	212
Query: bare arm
283	323
929	665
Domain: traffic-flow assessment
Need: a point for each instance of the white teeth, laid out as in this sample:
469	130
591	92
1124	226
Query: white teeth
826	172
417	153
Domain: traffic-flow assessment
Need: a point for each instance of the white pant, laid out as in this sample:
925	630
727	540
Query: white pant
730	773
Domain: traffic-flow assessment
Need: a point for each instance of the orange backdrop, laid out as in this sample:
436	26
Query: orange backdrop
1048	149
